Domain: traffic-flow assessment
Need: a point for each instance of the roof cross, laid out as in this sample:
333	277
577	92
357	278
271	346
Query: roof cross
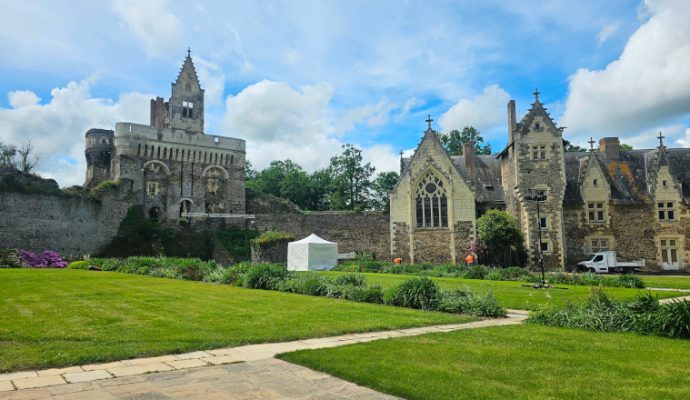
591	144
661	140
428	120
536	94
189	51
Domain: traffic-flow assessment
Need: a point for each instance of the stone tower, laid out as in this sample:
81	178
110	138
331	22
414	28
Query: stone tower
99	152
533	162
185	109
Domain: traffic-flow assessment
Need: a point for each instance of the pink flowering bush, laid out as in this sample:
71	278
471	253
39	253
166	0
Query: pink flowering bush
46	259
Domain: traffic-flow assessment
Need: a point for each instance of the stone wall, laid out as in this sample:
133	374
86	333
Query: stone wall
71	225
633	232
274	251
364	232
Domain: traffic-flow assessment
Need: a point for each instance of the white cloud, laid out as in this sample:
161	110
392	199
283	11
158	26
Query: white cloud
606	32
212	80
647	86
57	127
371	114
281	123
685	140
150	21
22	98
484	112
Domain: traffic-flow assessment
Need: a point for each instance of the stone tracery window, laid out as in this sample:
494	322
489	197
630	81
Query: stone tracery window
431	202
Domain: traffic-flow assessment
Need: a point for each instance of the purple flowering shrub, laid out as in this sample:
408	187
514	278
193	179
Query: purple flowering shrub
47	259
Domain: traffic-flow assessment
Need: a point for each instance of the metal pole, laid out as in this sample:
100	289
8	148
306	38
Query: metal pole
541	254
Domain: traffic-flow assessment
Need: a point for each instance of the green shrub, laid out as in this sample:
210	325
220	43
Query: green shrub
456	301
9	258
600	313
272	236
351	279
421	293
264	276
465	301
224	275
310	283
365	294
631	281
475	272
673	319
79	265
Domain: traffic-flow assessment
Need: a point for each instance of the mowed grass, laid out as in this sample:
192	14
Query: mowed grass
513	362
513	294
55	318
671	282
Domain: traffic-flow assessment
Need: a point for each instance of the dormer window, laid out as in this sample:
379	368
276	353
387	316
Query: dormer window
594	182
187	109
666	211
664	183
595	212
537	126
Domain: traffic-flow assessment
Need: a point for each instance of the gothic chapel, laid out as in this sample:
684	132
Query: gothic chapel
633	202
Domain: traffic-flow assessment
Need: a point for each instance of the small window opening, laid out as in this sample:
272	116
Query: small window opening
187	109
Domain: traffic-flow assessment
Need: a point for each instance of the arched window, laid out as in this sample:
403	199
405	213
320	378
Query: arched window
185	207
432	203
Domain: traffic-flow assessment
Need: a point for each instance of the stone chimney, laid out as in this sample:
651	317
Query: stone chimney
468	154
610	147
157	113
511	120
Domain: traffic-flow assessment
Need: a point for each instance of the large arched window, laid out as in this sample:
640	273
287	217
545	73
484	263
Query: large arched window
432	203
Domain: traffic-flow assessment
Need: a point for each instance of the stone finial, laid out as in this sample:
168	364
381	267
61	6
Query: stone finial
189	51
428	121
591	144
661	140
536	94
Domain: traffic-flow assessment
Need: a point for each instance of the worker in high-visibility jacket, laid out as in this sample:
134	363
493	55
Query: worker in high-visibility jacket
469	260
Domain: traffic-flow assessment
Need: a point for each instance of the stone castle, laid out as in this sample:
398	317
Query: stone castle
175	168
634	202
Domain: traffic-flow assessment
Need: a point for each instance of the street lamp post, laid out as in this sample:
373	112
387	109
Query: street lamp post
537	196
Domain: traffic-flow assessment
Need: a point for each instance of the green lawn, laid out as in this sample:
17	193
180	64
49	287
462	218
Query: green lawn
513	294
673	282
513	362
53	318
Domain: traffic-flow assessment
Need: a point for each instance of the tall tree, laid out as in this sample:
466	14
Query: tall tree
454	141
350	180
380	187
500	237
27	158
284	179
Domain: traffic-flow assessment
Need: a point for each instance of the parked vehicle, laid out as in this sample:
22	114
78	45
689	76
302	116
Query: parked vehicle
606	262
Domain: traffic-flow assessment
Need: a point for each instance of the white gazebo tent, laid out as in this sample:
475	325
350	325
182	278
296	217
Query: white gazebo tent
312	253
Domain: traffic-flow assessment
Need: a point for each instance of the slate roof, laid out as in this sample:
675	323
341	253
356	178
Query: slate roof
627	176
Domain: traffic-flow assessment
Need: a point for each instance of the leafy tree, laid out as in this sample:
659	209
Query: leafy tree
7	154
572	148
249	171
27	159
500	237
318	189
454	140
381	186
284	179
625	147
350	180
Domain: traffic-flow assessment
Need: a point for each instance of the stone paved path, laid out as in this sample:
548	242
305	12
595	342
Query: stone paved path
246	372
672	299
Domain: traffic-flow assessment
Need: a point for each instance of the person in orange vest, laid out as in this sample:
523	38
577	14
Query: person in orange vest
397	260
469	260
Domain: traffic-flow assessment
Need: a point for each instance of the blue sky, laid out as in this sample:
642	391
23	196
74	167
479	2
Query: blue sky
297	79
